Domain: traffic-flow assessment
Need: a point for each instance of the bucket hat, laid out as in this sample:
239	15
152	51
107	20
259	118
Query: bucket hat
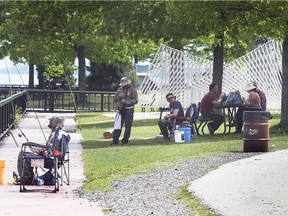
249	87
124	81
56	121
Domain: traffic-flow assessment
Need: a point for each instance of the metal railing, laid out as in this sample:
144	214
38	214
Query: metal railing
70	101
8	109
64	100
50	101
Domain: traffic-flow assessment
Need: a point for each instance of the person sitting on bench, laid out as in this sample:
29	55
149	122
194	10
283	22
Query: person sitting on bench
206	108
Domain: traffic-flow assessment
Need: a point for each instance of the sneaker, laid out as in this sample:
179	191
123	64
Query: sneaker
113	143
211	130
124	142
232	124
164	140
15	177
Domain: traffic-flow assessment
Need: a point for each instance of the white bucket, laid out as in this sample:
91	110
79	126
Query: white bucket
179	136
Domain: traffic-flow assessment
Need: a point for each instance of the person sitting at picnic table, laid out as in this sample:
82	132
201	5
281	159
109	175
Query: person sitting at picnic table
262	97
253	102
176	110
207	104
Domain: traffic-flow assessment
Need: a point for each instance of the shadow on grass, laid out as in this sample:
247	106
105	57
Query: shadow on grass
101	143
89	115
110	123
95	144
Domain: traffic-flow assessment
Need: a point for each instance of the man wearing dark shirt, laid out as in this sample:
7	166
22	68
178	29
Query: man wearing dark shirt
176	110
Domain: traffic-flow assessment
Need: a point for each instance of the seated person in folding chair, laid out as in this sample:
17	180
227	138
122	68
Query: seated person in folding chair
54	122
206	108
176	110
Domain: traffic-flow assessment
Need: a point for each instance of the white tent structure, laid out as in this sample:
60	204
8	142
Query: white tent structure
188	77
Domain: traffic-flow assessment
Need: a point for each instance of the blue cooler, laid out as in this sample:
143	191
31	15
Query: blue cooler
187	133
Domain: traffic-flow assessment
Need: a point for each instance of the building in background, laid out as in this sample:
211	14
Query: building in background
142	69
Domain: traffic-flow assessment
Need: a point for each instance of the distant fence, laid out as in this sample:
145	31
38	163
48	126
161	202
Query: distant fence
8	109
50	101
64	100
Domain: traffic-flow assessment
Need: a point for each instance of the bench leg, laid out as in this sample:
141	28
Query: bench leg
201	127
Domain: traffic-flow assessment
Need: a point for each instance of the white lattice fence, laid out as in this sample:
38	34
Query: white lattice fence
263	65
177	72
188	76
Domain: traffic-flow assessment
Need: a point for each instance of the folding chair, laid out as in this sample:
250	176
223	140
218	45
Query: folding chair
193	121
188	120
64	160
43	159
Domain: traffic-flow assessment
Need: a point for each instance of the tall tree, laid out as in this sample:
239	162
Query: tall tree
26	38
65	30
111	75
284	98
211	23
270	19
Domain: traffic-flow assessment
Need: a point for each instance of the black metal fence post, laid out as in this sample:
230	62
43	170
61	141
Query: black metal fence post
51	102
67	101
8	111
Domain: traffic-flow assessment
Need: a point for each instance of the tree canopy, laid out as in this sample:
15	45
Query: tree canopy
55	33
51	34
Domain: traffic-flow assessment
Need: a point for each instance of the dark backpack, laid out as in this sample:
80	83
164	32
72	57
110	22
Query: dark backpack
233	98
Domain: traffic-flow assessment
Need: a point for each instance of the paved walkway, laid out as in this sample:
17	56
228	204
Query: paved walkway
253	186
61	203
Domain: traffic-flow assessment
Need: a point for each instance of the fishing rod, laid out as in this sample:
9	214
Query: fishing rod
22	134
69	85
10	132
28	101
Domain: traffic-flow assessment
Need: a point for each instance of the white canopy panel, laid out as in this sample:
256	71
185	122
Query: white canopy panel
188	77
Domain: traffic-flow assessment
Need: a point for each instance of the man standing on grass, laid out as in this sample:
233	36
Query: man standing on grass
206	108
126	97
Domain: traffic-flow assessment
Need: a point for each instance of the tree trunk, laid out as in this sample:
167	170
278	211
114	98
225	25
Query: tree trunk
40	70
218	56
81	100
31	76
81	70
284	99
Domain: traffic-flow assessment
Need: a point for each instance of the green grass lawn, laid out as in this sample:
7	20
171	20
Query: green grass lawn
104	164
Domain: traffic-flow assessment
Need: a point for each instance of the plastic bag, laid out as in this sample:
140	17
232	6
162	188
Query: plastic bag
46	179
117	124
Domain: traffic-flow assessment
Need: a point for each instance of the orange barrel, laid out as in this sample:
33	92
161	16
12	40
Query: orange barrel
256	131
2	168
